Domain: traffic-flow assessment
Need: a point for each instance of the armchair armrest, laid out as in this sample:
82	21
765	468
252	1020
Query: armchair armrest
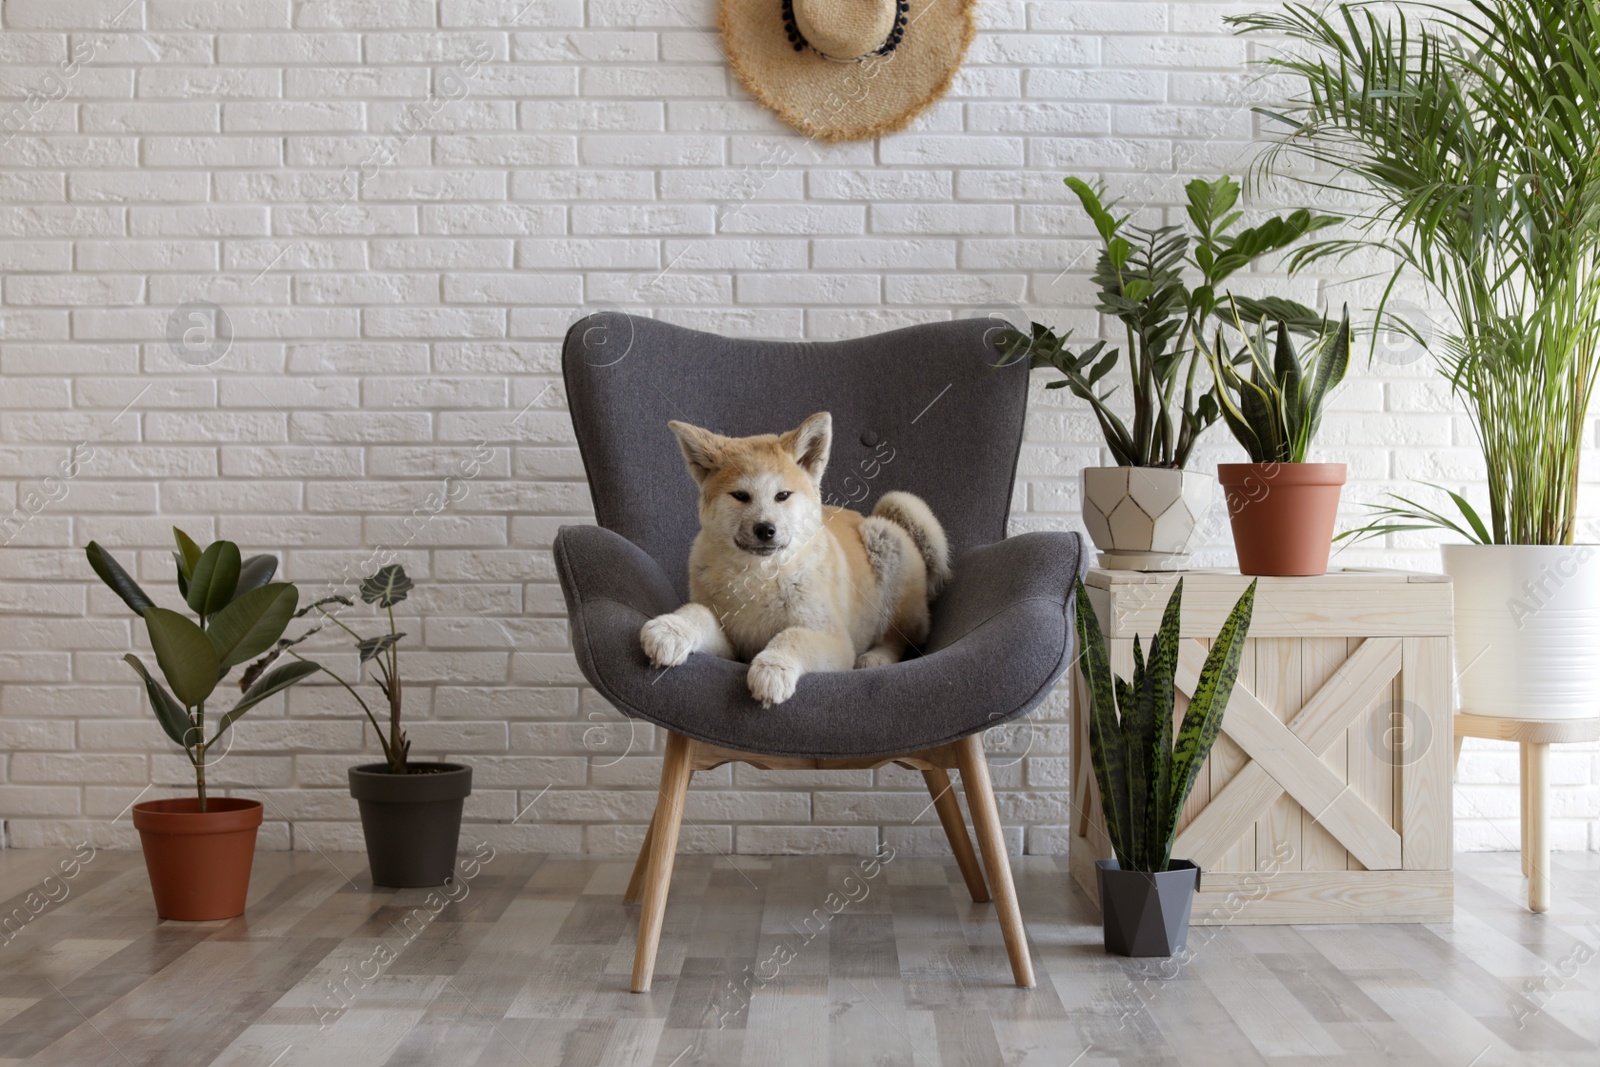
596	564
1032	571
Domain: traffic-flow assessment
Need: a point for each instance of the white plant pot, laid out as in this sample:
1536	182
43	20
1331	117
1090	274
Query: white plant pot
1527	629
1144	518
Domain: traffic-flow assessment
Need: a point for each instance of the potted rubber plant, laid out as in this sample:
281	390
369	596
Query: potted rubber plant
198	850
410	810
1282	507
1145	771
1473	137
1163	286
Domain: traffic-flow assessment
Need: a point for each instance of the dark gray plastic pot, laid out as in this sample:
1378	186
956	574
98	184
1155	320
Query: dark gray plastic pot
412	822
1146	914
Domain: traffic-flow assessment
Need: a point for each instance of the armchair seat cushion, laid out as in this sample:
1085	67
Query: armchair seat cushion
1001	640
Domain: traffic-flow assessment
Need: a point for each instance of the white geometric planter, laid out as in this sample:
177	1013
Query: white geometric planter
1144	518
1527	629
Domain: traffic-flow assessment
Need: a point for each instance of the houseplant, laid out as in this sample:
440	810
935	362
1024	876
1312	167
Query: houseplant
1145	772
198	850
1282	507
410	811
1474	137
1143	513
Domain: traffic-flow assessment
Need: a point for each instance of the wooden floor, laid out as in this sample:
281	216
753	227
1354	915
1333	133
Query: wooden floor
530	967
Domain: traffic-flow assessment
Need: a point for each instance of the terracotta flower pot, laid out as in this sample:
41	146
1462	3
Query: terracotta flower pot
199	865
412	822
1282	514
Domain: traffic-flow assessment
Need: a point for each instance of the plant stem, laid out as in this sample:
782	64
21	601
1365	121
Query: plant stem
397	750
200	754
376	728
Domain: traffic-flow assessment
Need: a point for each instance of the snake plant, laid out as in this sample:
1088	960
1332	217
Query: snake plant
1144	770
240	610
1276	410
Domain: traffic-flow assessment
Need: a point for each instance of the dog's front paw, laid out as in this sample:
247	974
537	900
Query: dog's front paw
667	640
876	657
772	678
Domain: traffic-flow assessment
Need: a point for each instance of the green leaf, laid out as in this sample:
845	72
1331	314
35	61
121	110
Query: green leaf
249	625
1208	703
1331	364
183	579
254	573
188	553
1105	750
270	684
216	575
1138	726
170	714
121	583
387	587
256	669
1292	405
325	601
1163	672
185	654
372	647
1261	415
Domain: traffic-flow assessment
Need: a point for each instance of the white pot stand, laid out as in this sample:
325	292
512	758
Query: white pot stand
1534	737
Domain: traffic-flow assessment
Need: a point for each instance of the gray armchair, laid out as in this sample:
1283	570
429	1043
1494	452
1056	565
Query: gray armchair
921	409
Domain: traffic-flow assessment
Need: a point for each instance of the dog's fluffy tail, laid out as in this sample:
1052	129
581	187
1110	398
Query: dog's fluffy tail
908	512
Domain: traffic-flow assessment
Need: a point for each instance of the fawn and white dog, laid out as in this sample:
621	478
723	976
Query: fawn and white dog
787	584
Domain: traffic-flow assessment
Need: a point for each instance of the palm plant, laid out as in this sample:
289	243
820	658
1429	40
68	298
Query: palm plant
385	588
1474	133
1141	278
1276	411
241	611
1144	771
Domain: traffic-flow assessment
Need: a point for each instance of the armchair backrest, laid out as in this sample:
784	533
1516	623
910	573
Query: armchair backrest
923	409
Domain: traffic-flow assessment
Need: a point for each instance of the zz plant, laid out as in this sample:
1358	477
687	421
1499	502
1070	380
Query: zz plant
1275	408
385	588
1164	286
239	612
1144	770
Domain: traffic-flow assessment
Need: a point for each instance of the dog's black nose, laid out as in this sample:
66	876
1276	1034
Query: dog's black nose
764	531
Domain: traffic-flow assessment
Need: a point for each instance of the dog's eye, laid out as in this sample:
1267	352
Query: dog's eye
741	496
781	497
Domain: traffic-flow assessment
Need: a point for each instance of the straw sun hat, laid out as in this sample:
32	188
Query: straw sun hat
847	70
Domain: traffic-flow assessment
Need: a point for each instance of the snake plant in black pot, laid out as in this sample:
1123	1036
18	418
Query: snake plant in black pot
1145	771
410	810
1282	507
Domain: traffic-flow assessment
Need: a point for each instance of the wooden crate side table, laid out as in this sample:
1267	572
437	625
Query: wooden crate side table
1534	737
1327	797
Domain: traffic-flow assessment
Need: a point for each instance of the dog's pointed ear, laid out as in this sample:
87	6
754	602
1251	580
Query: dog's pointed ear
702	449
810	442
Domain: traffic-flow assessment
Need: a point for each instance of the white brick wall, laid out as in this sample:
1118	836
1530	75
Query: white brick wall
520	160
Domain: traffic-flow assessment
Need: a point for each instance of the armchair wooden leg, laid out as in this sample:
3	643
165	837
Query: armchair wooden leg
675	772
640	865
955	829
974	768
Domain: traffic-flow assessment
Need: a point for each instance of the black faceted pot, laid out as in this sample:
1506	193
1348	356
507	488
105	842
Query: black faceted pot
1146	914
412	822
